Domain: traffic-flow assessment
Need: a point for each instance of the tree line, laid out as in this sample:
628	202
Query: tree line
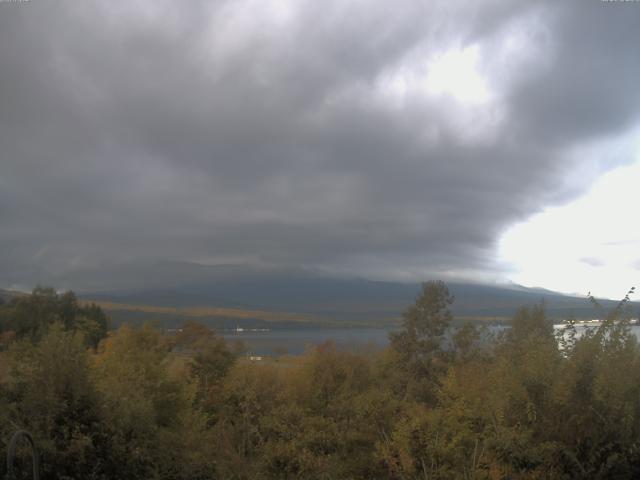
438	403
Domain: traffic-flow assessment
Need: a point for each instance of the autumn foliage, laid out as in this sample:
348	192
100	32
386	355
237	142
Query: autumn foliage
438	403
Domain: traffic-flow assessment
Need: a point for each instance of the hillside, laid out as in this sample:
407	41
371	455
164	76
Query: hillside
6	295
230	294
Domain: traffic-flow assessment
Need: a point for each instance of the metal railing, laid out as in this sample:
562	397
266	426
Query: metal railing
11	455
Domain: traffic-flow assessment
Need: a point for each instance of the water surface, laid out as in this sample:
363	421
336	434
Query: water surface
297	341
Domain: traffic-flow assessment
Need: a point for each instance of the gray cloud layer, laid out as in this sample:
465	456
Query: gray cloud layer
297	135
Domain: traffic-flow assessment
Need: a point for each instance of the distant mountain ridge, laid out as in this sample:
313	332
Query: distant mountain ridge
7	295
314	295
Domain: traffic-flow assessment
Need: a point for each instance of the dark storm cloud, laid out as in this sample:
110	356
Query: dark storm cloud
592	89
252	132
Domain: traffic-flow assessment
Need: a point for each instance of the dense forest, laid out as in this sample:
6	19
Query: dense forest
438	403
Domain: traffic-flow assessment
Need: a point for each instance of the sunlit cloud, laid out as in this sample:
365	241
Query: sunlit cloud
455	73
452	73
589	245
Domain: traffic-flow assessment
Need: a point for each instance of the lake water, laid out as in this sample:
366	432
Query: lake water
296	341
580	330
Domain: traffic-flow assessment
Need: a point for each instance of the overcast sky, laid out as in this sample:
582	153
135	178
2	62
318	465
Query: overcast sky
390	140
